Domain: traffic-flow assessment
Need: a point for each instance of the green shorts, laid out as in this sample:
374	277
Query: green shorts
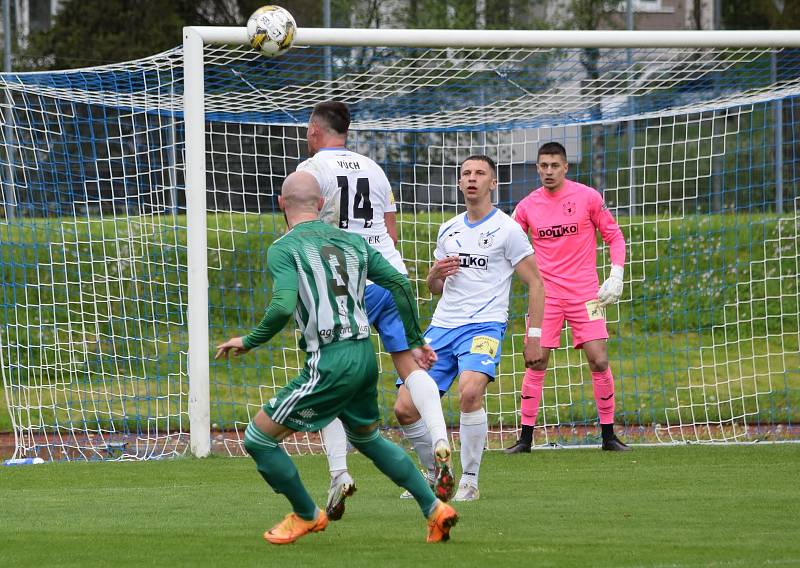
340	380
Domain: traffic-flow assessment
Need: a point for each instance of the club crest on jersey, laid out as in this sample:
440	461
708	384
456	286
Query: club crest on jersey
568	207
485	240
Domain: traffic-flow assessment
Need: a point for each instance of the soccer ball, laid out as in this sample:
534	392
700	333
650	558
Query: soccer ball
271	30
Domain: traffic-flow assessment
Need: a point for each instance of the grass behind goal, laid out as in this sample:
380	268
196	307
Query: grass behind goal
678	507
653	356
691	147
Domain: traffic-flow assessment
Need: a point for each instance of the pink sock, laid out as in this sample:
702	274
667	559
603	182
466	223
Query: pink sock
532	386
603	384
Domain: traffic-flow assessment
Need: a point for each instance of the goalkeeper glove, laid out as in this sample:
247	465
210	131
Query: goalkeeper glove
611	290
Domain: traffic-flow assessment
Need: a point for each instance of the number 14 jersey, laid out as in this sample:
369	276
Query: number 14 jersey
357	193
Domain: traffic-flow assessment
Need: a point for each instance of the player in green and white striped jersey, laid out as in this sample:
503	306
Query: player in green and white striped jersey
319	273
358	199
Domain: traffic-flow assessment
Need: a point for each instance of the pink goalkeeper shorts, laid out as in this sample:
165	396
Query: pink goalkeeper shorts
586	319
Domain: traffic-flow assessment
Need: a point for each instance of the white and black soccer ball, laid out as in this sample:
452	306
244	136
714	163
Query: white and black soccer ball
271	30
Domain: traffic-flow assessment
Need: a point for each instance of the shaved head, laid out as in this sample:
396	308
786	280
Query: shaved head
300	192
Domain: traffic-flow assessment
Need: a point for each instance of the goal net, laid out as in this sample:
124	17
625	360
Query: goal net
110	230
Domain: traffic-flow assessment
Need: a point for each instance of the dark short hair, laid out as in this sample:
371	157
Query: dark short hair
333	114
552	148
483	158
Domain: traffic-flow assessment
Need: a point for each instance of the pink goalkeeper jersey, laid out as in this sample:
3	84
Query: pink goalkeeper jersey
563	227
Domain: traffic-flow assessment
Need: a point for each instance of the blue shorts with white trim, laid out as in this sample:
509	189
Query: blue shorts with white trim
471	347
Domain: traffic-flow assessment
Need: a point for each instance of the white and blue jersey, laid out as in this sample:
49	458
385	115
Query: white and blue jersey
488	250
470	320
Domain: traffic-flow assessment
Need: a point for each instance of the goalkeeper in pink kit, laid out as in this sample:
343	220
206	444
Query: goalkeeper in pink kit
563	218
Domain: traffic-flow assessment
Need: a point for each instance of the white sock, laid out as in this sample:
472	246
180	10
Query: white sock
335	440
425	396
420	437
474	427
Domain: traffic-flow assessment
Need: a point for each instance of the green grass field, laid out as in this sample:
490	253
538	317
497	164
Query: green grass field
672	506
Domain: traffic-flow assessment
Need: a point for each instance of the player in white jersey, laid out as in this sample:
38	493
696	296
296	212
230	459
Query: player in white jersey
476	255
358	198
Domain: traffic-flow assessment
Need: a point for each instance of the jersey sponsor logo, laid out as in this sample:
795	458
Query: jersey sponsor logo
484	345
478	261
569	208
374	239
302	425
348	165
344	331
558	231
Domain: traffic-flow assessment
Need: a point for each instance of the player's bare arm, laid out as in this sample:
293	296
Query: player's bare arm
390	219
440	270
528	272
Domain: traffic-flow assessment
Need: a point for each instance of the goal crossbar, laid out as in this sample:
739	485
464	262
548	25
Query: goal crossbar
515	38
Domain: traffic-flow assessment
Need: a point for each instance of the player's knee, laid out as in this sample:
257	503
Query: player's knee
406	413
539	366
257	443
363	430
470	400
404	408
361	436
250	447
598	364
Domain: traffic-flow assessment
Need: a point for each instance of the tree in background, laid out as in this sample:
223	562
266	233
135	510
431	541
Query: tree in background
472	14
760	14
87	33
